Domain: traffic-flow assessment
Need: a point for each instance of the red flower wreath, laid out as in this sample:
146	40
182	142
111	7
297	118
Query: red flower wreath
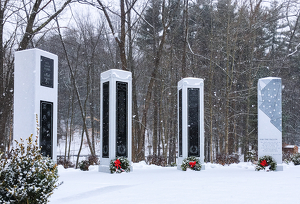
117	164
264	163
192	164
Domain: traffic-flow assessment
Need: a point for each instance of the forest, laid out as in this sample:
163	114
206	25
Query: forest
228	43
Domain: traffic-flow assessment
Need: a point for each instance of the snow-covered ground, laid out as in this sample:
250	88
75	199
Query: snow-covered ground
234	184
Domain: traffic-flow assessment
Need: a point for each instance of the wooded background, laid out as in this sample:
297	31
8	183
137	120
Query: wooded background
230	44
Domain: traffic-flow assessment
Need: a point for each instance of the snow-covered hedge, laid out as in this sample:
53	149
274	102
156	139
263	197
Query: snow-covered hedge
296	159
26	176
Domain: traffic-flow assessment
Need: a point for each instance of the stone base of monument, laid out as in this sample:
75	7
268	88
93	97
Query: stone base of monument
105	168
279	167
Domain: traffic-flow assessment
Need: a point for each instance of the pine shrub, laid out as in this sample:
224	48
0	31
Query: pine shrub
296	159
26	176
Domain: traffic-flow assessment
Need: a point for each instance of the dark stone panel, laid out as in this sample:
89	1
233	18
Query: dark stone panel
47	72
180	124
193	122
105	120
121	118
46	128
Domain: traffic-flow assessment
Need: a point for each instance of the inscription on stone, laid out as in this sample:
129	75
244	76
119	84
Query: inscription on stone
270	145
121	120
105	119
47	72
193	122
46	132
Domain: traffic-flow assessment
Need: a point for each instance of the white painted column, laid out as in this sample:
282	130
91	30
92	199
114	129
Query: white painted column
270	119
35	98
116	122
190	119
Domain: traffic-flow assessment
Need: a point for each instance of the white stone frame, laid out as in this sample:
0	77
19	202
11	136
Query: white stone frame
183	85
28	93
112	76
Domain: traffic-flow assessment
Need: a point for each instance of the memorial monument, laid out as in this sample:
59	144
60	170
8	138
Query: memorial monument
190	120
35	98
116	116
270	119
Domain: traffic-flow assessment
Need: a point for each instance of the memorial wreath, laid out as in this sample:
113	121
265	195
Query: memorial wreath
266	162
192	163
119	165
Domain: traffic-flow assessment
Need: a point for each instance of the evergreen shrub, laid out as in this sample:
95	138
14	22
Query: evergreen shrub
296	159
26	176
84	165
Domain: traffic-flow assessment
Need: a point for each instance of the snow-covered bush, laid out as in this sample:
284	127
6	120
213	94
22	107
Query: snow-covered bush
251	156
26	176
65	162
296	159
84	165
192	163
91	160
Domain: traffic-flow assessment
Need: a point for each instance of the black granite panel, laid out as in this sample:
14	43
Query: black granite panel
193	122
121	118
47	72
180	124
46	128
105	120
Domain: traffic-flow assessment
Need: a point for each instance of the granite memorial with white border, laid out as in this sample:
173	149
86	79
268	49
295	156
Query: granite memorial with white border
116	116
35	98
270	119
190	120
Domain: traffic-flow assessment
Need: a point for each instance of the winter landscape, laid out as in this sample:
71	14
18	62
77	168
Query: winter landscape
184	81
234	184
228	184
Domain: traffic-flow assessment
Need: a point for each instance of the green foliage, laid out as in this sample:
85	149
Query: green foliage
124	163
270	163
186	164
296	159
91	160
84	165
26	176
251	156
